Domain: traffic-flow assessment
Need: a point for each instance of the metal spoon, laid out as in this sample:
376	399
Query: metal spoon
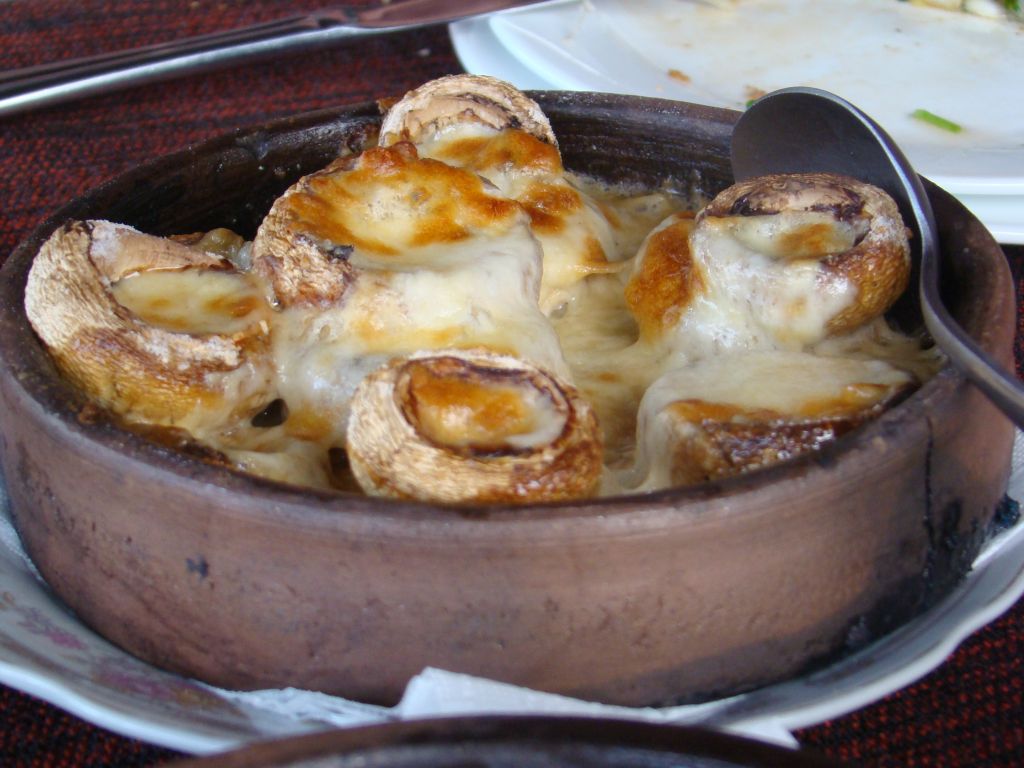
800	130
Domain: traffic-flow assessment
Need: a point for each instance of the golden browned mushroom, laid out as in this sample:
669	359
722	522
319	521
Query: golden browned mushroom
427	112
150	328
385	210
667	280
475	427
731	414
387	254
773	262
493	129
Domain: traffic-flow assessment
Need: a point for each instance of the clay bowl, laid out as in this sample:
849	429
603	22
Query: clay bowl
513	742
677	596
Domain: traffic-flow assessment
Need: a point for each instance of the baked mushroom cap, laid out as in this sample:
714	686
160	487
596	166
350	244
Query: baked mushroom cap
835	249
667	280
492	129
387	209
732	414
431	109
474	427
103	299
778	261
388	254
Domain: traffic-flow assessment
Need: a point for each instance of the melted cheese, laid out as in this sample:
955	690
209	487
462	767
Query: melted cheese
195	301
392	206
480	240
483	414
753	387
724	286
599	338
576	237
667	280
437	260
322	355
796	235
632	213
792	384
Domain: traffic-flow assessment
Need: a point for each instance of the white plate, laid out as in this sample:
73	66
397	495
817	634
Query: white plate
46	651
887	57
477	45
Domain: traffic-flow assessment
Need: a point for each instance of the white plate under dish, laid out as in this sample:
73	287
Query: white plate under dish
887	57
47	652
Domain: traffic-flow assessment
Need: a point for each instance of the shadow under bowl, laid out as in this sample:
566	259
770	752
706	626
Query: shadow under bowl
513	742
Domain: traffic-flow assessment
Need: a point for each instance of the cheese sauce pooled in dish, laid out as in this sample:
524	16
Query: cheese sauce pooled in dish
193	301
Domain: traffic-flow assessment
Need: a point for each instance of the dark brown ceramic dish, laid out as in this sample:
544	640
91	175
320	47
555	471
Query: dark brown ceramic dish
514	742
676	596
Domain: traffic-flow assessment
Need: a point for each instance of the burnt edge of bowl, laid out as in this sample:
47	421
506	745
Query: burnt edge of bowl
316	138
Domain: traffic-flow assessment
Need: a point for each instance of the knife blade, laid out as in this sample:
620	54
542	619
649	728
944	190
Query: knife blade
38	86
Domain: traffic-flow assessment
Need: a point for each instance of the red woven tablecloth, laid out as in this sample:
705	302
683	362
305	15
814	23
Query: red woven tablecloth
968	712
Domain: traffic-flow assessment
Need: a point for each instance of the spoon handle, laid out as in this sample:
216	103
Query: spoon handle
803	129
1004	389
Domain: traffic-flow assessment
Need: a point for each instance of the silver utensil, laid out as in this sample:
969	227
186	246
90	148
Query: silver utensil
797	130
32	87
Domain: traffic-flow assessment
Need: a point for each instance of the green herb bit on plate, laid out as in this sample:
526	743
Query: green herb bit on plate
939	122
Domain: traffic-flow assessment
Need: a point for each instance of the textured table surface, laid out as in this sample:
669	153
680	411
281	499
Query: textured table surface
970	711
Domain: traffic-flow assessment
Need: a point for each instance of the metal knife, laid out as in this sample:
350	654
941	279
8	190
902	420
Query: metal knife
32	87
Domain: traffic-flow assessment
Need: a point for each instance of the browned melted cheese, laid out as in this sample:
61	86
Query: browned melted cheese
196	301
846	401
667	280
485	414
695	410
578	240
549	204
506	151
812	242
392	201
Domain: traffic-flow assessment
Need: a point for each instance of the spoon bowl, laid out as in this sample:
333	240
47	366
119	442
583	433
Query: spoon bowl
803	130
